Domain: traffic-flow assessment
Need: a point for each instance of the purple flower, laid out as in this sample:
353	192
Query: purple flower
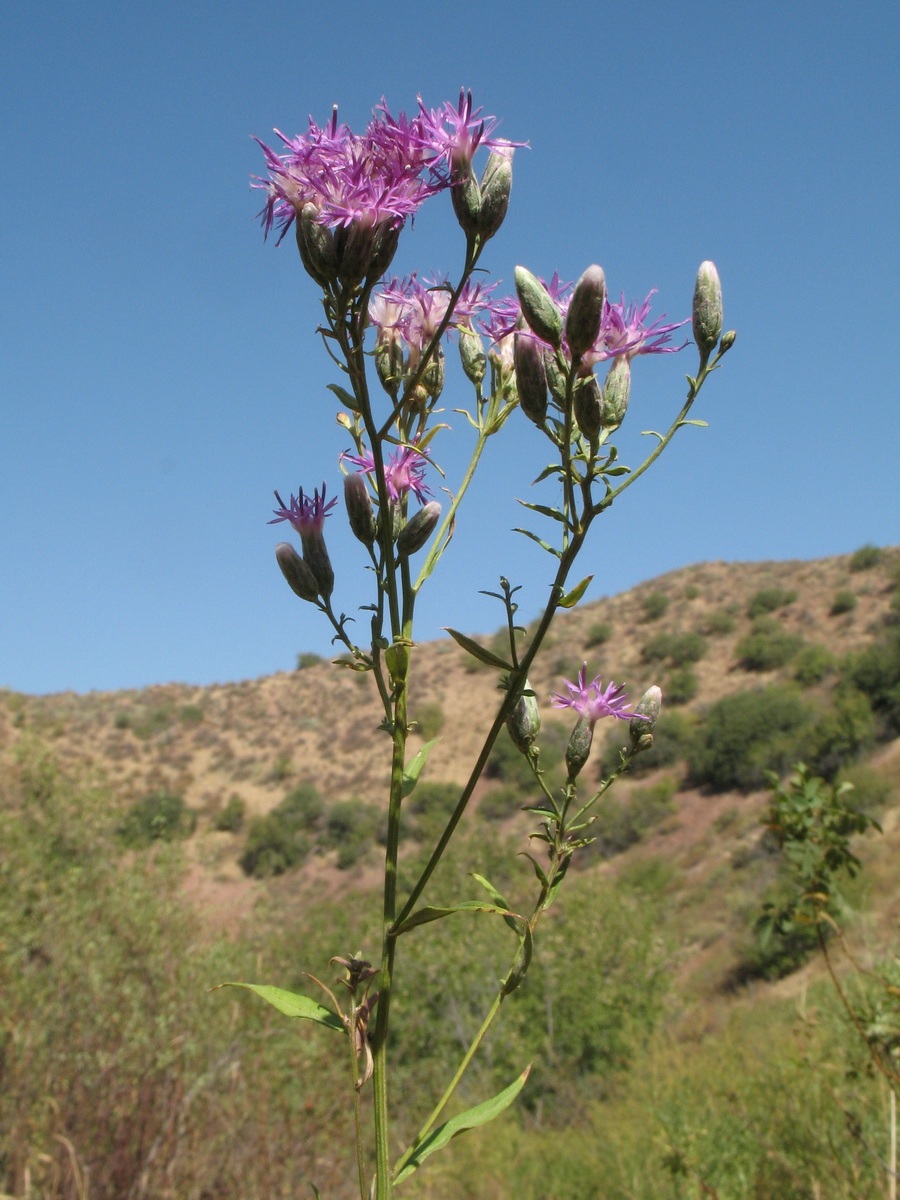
591	700
403	472
453	135
306	513
623	330
417	309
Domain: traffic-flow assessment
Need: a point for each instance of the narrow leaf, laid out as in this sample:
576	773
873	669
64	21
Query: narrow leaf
557	881
543	545
701	424
293	1004
470	1119
344	396
479	652
414	770
553	513
496	897
519	971
423	916
571	598
652	433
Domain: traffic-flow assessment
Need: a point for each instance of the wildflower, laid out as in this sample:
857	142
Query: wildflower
306	515
454	134
624	331
591	700
707	312
403	472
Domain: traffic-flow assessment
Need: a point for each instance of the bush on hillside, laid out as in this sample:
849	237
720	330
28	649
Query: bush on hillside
812	663
161	816
876	673
282	839
844	601
681	686
744	735
769	600
767	646
654	606
866	557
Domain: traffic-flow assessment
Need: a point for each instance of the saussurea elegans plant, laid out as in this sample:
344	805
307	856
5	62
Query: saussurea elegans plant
348	197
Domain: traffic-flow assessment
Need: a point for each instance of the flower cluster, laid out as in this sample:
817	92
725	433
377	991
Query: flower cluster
403	472
378	177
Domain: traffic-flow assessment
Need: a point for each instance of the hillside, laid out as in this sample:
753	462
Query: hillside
105	964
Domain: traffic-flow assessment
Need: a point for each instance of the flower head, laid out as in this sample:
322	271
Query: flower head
404	471
452	135
306	513
591	700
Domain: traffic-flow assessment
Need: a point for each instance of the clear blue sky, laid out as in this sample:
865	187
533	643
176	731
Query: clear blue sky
159	374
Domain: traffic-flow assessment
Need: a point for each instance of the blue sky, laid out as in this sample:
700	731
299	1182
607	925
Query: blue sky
160	375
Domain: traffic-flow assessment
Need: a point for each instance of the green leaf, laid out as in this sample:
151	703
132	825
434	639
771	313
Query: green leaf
497	898
414	770
479	652
423	916
543	545
571	598
293	1004
538	869
652	433
557	881
470	1119
701	424
344	396
553	513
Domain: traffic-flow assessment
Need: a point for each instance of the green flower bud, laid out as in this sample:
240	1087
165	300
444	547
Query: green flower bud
315	555
707	311
616	392
589	407
465	195
579	748
496	185
384	247
524	722
433	375
472	356
646	713
316	245
418	529
359	509
538	309
556	380
727	341
300	578
389	362
531	378
585	311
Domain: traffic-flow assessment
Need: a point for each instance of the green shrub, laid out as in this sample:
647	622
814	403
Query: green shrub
744	735
654	606
844	601
122	720
161	816
768	600
430	806
691	592
621	823
501	802
429	720
679	648
813	663
350	827
841	734
231	818
681	686
872	791
767	646
280	840
191	714
719	622
306	658
876	673
866	557
151	721
599	633
510	765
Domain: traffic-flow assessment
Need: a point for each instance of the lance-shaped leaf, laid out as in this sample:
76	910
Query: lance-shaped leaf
479	652
497	898
470	1119
543	545
293	1004
523	962
553	513
344	396
414	770
422	916
571	598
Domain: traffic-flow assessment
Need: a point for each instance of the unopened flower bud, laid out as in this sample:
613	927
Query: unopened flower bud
472	356
524	722
433	375
585	311
418	529
556	380
579	747
616	391
531	378
727	341
589	407
389	363
315	555
707	311
465	195
316	245
538	308
356	245
359	509
646	713
496	185
384	247
300	578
